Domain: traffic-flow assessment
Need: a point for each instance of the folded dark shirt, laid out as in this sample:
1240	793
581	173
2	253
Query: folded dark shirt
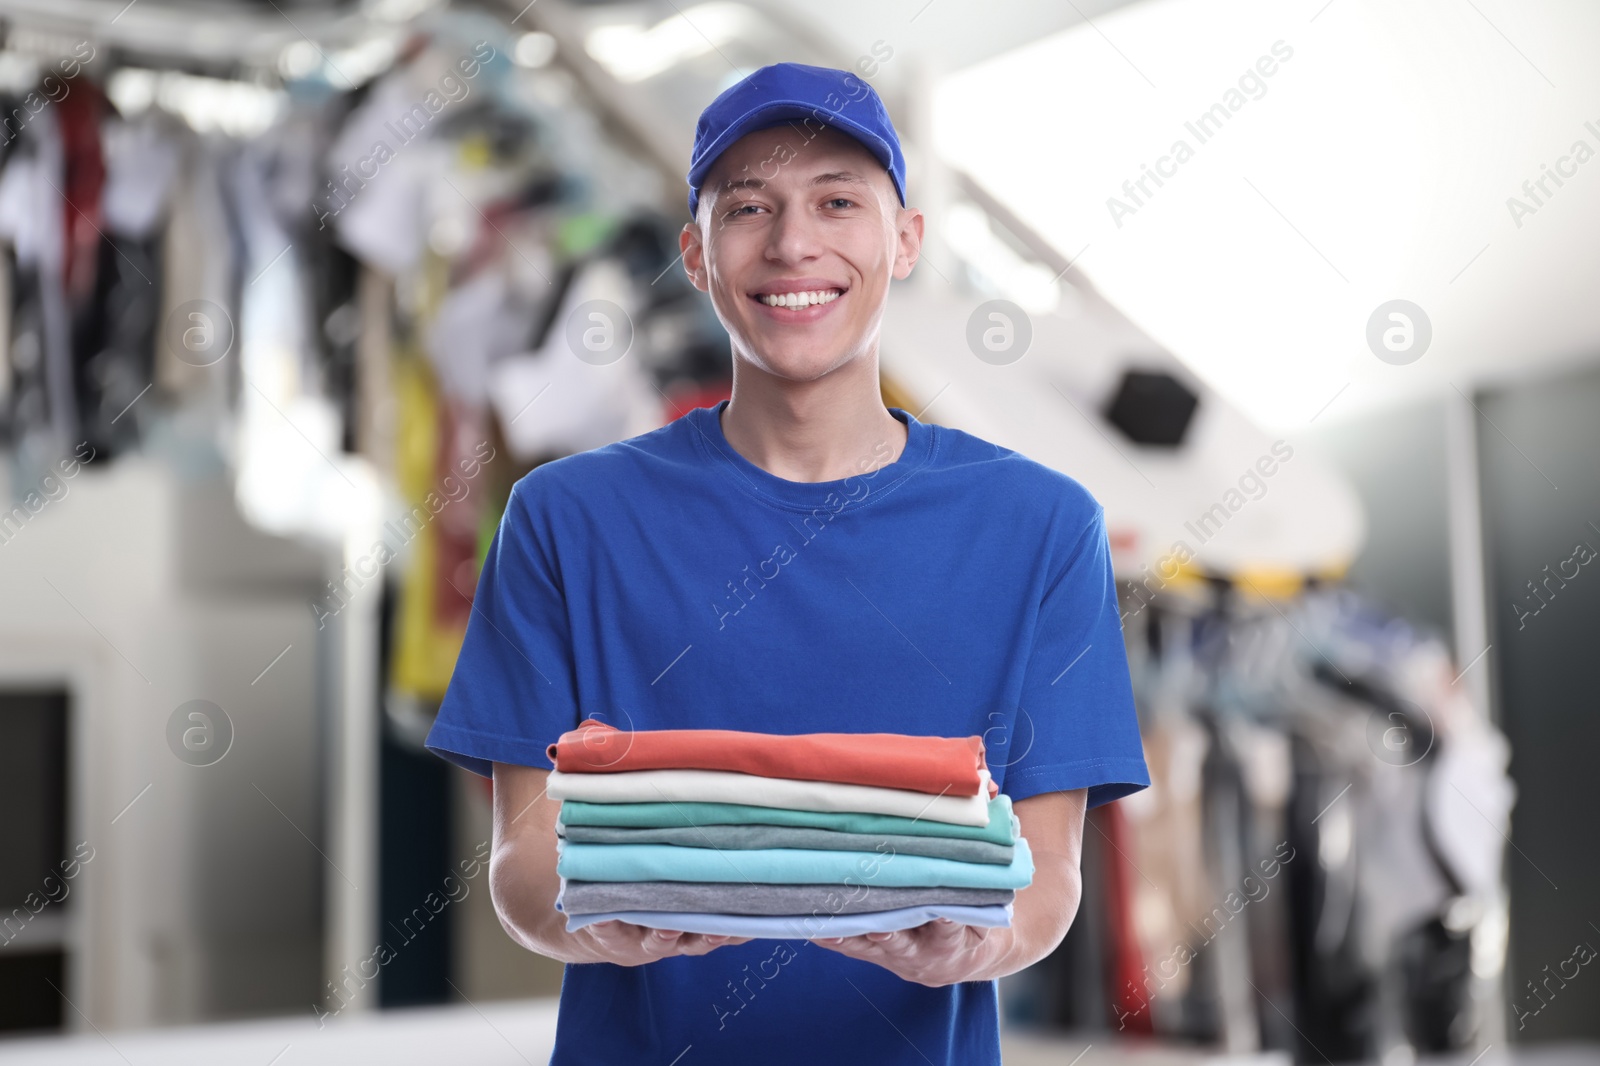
736	837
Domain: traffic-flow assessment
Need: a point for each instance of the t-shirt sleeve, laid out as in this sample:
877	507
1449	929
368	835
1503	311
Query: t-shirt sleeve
512	692
1076	726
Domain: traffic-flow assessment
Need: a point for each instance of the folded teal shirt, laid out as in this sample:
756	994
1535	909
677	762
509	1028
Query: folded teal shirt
1002	827
785	866
751	837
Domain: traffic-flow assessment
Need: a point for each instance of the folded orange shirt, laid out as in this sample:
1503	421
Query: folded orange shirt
939	765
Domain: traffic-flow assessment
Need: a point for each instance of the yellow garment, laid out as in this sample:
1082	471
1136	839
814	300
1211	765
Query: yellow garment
424	653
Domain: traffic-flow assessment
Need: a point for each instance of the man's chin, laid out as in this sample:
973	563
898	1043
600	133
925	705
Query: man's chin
791	364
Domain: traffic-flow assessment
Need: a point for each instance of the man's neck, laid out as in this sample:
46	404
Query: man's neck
824	430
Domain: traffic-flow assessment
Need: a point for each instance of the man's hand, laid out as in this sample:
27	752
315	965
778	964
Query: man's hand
634	945
937	953
945	952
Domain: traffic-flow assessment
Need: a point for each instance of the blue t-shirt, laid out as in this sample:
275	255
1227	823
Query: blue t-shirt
665	581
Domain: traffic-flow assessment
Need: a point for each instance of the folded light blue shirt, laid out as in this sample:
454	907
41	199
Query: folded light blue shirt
803	926
785	866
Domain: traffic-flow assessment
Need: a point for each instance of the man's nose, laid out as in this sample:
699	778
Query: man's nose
793	236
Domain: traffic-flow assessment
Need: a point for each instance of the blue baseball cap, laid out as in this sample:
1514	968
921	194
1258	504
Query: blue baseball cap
782	92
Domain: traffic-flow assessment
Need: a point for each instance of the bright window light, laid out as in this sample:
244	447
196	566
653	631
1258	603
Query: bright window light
233	107
1253	185
1029	285
534	49
631	52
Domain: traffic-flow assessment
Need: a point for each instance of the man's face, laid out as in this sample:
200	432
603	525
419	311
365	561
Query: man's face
780	214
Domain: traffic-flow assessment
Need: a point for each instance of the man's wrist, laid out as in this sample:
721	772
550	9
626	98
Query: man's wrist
554	942
995	955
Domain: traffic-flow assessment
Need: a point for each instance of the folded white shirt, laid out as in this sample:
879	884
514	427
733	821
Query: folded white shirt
722	786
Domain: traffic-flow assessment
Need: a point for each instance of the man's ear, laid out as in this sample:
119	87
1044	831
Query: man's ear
693	255
909	240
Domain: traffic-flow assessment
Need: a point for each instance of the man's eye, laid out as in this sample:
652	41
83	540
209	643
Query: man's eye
841	200
739	209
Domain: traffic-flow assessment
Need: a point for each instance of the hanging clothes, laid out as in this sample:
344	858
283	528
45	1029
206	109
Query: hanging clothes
198	258
1308	878
556	401
1130	999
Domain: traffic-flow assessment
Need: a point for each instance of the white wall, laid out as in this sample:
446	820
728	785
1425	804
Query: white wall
139	592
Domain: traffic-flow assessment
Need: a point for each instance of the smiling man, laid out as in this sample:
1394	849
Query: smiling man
797	559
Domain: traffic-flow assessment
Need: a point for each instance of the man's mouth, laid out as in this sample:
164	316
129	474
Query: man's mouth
800	299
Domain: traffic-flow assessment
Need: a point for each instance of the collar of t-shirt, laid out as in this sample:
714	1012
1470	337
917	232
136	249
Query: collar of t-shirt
873	478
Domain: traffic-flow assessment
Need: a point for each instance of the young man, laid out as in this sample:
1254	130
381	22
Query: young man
797	559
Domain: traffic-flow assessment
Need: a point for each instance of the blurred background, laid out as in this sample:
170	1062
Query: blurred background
1303	292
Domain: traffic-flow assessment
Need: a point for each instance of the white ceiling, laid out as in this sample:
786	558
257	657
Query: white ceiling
948	35
1377	165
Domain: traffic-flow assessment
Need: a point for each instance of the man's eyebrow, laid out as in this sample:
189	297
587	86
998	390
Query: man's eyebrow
845	176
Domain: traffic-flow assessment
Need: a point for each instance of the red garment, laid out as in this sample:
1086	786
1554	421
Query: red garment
455	575
680	401
940	765
1130	997
81	109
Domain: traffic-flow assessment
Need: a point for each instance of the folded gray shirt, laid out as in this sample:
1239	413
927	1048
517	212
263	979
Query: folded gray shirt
741	837
741	897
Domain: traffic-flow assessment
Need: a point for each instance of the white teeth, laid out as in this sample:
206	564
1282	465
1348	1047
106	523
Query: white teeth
801	299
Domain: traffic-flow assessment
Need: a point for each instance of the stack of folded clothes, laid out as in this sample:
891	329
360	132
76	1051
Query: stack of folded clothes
758	835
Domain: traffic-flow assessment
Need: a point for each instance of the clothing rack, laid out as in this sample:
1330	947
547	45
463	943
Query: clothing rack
1290	882
343	371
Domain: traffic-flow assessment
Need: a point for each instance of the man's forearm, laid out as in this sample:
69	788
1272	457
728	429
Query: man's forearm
523	887
518	894
1041	916
524	884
